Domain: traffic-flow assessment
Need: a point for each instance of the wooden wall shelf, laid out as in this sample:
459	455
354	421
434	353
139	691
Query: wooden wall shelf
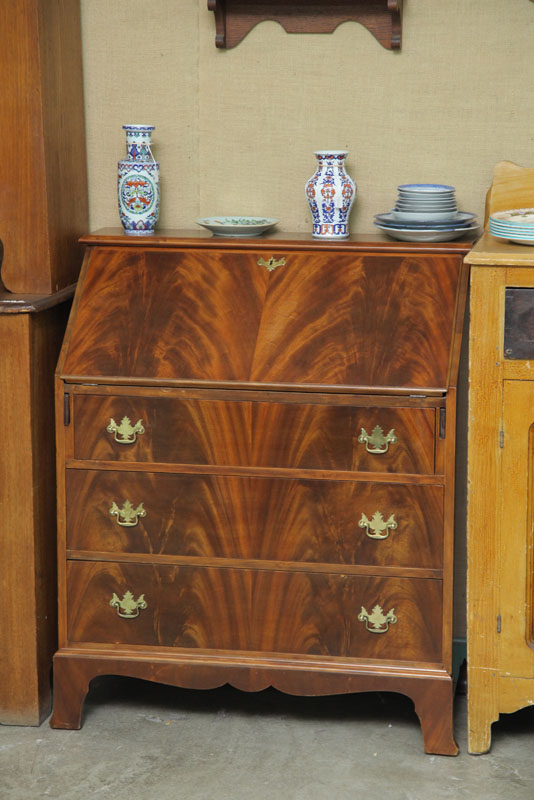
235	18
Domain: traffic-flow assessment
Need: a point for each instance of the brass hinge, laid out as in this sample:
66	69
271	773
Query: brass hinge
442	422
66	409
501	439
498	623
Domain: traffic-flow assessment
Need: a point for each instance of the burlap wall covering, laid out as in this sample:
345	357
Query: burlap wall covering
236	129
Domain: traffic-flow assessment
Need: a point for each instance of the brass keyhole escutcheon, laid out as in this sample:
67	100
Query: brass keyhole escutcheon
272	263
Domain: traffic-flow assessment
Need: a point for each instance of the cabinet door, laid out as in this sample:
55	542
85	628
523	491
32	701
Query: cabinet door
516	640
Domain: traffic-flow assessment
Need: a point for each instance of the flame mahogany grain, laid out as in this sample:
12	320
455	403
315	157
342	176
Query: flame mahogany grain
348	320
268	434
256	518
253	387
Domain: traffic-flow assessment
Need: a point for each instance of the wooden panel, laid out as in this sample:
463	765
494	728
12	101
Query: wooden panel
516	651
255	518
319	319
42	169
29	345
484	498
260	611
254	434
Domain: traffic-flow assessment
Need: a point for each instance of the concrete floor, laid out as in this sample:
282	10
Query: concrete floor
144	741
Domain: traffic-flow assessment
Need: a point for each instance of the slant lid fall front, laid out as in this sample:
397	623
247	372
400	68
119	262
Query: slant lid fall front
227	318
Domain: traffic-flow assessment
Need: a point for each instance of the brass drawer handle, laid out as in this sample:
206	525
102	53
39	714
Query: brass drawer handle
125	433
379	526
377	621
127	516
272	263
128	608
377	443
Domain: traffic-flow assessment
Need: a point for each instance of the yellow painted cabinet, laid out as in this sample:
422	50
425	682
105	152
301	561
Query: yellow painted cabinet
500	500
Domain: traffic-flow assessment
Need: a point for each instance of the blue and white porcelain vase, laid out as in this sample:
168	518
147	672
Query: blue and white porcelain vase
330	193
138	183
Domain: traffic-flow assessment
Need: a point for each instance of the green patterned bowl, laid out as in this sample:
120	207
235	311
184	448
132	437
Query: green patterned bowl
237	226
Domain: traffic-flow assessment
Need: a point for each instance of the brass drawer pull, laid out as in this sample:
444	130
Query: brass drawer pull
377	443
127	516
125	433
379	526
377	621
128	608
272	263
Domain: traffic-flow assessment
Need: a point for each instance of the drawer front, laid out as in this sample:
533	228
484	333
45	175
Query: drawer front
254	434
394	619
340	522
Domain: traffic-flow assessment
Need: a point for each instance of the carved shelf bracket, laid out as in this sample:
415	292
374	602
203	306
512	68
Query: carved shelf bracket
235	18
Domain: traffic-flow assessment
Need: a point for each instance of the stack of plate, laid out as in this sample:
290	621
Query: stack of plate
516	225
426	212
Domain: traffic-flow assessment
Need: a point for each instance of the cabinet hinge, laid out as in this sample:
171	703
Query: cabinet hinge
498	623
442	422
501	439
66	409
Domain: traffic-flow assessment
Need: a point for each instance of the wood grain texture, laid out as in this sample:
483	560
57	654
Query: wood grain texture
492	252
305	436
255	518
484	498
247	610
235	18
43	169
29	345
73	671
318	319
516	653
274	240
253	388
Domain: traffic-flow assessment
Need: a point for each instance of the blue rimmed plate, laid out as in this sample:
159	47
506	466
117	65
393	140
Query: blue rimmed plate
460	219
425	234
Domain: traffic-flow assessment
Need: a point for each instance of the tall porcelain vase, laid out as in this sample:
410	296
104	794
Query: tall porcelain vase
138	183
330	193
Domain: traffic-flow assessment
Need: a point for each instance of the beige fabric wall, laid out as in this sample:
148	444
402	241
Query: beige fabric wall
236	129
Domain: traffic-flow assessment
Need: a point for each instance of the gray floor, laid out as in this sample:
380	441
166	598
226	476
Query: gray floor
141	741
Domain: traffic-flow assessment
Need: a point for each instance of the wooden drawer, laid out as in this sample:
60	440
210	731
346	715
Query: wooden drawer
255	434
255	610
255	518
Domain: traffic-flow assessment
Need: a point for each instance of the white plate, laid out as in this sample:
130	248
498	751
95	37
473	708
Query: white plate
516	216
512	237
430	216
455	220
407	235
236	225
425	188
503	226
427	203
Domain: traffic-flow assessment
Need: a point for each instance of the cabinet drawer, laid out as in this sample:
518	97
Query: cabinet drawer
340	522
255	610
254	434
